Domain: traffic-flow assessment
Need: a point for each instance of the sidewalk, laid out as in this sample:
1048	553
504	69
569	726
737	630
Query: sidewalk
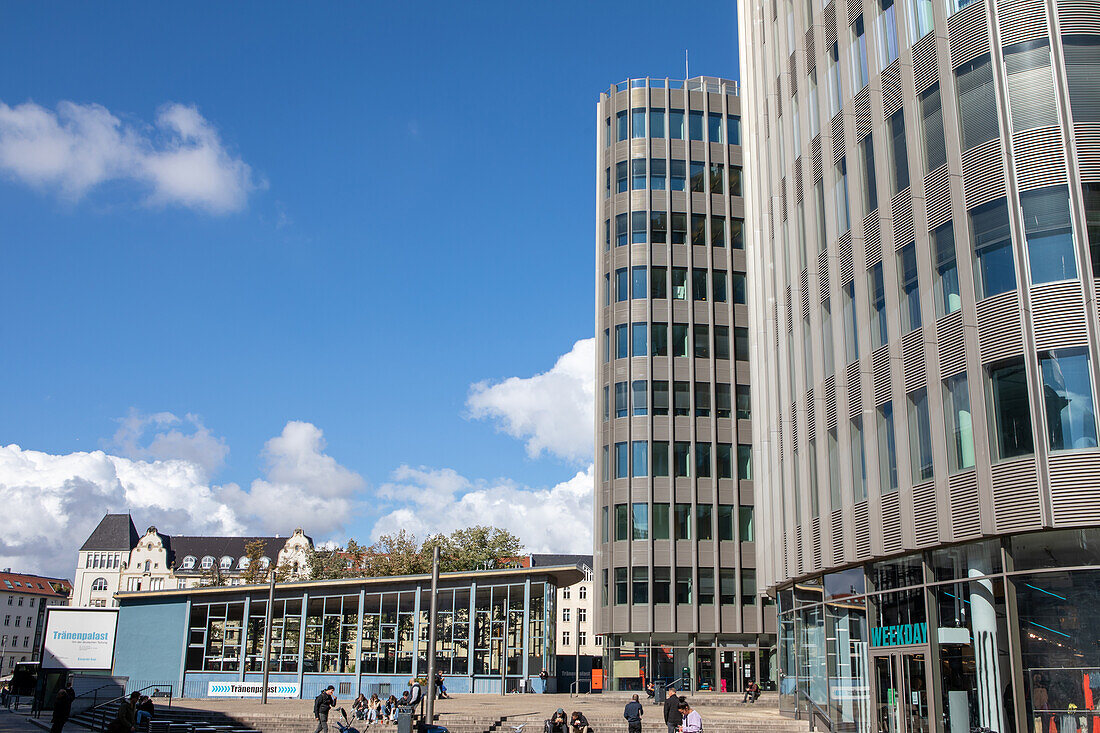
16	723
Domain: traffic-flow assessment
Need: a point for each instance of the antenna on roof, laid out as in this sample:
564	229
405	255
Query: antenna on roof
686	74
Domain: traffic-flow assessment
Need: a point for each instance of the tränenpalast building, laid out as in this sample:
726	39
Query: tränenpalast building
924	238
675	552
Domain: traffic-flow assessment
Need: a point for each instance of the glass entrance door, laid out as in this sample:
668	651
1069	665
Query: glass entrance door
901	693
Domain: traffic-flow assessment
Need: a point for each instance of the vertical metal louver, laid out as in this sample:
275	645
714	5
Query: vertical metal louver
912	359
983	173
1075	488
1082	56
798	180
966	518
925	511
952	348
891	523
872	239
838	137
968	33
1016	505
1021	20
783	198
924	62
855	9
789	317
815	535
799	550
999	334
880	371
1058	315
811	55
811	413
901	209
792	71
891	88
804	294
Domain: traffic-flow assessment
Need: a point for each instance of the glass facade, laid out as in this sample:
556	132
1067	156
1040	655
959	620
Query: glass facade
993	636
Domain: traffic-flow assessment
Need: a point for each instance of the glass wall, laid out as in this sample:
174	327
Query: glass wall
988	636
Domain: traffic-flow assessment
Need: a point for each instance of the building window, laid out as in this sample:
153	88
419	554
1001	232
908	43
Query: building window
582	593
935	149
638	227
681	458
859	54
721	342
640	388
695	125
699	229
660	397
959	423
207	562
702	398
867	154
859	460
832	456
733	129
605	596
637	174
662	581
622	461
622	522
659	339
676	124
706	586
887	457
702	340
920	19
834	80
637	123
718	285
679	228
1030	85
660	513
698	177
717	178
683	586
843	211
678	178
639	512
622	176
657	175
622	341
188	563
1049	234
899	154
622	288
99	584
1067	390
946	270
564	612
851	333
887	33
909	287
1082	57
656	123
640	452
679	339
658	227
620	587
737	233
723	406
744	462
683	521
741	343
724	461
735	181
606	346
977	102
994	270
717	231
639	345
702	461
565	595
876	293
622	231
920	436
1011	426
639	582
582	638
604	522
714	127
748	587
622	126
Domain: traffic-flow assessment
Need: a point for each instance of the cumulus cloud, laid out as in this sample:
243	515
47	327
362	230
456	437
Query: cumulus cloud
557	519
552	411
197	446
181	160
54	501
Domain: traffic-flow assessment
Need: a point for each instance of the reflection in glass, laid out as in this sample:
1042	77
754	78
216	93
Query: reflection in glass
1067	398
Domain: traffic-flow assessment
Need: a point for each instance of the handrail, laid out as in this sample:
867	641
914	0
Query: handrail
815	710
99	712
574	687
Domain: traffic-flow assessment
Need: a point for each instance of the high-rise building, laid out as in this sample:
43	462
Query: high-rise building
674	512
924	237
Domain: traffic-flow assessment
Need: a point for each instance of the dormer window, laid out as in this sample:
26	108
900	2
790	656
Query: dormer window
227	563
243	563
207	562
188	563
265	562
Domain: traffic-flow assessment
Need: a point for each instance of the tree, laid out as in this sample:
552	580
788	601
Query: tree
212	576
469	548
255	572
327	563
394	554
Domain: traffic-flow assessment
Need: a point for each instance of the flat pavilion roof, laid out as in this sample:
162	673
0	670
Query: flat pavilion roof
561	574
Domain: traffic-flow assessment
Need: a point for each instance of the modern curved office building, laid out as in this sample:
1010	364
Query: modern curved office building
674	554
924	239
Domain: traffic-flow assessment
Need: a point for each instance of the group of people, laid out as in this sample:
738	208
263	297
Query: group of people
561	723
374	709
680	717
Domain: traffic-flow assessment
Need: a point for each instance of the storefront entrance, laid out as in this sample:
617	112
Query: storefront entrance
738	669
901	692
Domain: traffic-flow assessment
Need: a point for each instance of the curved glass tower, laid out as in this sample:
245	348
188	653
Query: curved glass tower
924	242
675	523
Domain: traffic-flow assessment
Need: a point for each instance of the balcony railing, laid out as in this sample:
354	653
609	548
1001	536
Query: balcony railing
697	84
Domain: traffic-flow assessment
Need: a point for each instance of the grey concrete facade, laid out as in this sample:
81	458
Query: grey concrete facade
674	512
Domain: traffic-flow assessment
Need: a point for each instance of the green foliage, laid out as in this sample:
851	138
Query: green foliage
255	572
402	553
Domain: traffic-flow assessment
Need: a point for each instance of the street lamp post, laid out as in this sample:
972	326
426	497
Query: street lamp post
267	637
429	706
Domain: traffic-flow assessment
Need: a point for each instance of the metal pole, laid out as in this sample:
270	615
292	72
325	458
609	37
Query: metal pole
429	705
577	653
267	636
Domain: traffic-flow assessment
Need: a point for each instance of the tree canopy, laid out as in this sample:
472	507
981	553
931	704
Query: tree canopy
402	553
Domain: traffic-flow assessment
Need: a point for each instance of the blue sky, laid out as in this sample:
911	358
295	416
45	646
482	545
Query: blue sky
413	215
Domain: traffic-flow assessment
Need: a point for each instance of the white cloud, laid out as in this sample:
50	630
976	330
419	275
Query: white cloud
558	519
199	446
81	146
552	411
54	501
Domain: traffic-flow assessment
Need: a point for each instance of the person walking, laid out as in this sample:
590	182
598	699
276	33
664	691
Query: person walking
322	704
441	687
673	719
62	707
693	722
633	714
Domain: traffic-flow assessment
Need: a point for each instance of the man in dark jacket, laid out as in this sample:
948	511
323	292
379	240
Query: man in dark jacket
633	714
321	705
62	707
673	717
